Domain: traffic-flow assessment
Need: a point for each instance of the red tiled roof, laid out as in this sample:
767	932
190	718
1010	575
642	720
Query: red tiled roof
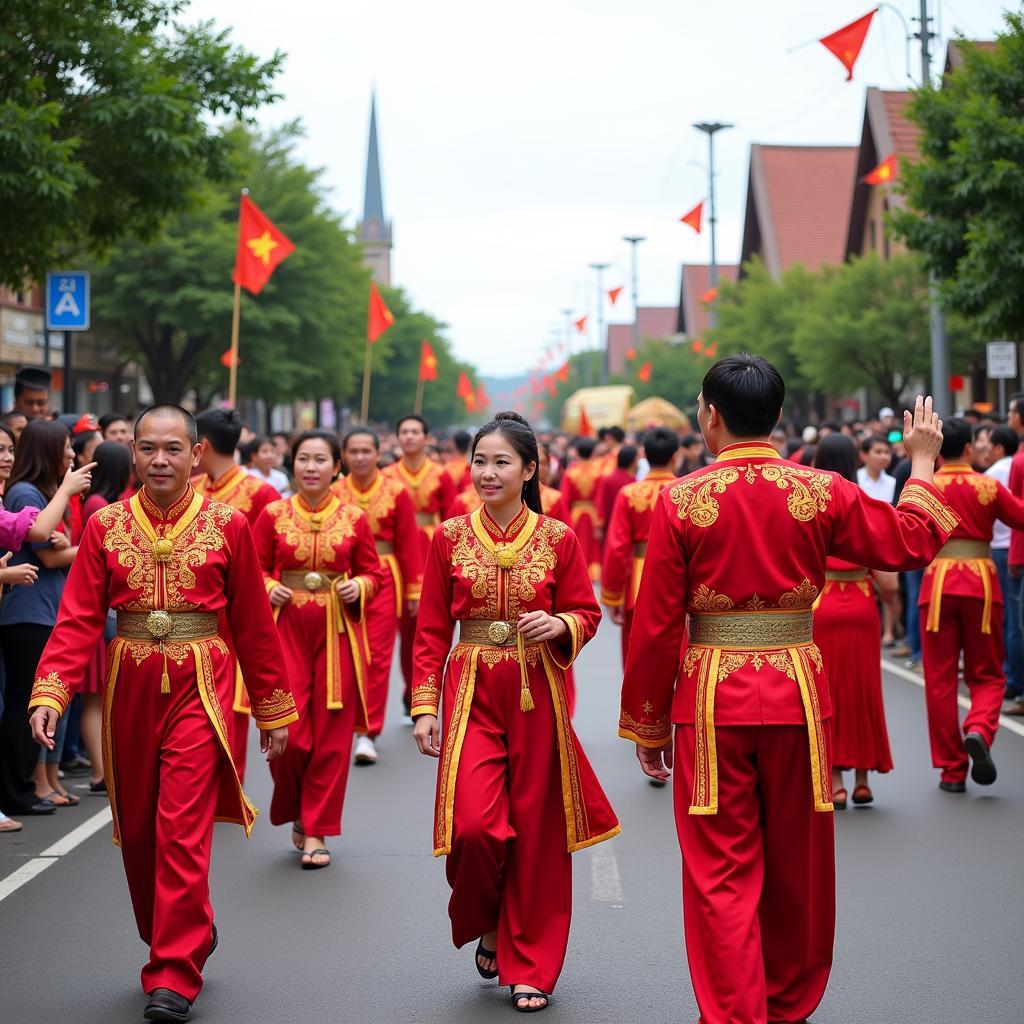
694	316
902	132
955	55
798	205
654	322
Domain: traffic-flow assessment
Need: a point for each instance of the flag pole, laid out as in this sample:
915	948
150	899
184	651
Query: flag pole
418	406
367	368
233	369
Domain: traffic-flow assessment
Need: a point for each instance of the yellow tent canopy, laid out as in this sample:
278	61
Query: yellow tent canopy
656	412
606	406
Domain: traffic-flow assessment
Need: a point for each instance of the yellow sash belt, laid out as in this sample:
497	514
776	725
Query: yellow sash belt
975	555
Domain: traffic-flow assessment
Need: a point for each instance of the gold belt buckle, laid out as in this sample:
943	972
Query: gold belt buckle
159	624
313	581
499	632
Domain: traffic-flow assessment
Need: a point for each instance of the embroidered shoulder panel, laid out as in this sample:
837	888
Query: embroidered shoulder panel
643	495
297	533
803	595
809	491
694	498
915	494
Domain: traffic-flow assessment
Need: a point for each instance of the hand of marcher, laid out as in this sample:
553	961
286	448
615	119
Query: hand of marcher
273	742
656	761
412	608
43	724
427	734
348	591
922	431
78	481
22	575
280	595
616	613
539	626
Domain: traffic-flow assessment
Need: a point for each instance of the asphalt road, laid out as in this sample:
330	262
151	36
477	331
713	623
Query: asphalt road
931	911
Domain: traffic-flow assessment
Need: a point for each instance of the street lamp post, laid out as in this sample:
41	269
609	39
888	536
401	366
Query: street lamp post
602	347
634	241
709	128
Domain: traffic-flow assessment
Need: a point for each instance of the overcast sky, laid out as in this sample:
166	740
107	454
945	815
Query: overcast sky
519	142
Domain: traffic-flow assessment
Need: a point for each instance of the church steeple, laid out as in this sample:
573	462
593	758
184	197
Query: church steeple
374	231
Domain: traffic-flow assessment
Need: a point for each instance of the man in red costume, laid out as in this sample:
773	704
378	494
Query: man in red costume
432	492
178	569
456	463
222	479
737	551
629	527
962	610
579	485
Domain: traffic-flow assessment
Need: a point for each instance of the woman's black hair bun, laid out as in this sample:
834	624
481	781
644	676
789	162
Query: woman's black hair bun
508	416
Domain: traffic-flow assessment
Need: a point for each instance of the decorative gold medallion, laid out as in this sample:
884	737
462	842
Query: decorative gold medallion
163	549
505	555
499	631
313	581
316	520
159	623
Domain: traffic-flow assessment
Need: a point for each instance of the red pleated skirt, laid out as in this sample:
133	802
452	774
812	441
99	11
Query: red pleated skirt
847	631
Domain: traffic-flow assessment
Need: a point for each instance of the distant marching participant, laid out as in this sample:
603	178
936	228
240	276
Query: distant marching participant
393	522
579	485
457	465
509	812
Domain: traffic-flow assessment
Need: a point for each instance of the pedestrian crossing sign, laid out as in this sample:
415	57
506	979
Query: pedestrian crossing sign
67	300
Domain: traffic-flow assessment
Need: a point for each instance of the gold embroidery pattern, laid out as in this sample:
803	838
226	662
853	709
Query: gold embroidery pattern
280	704
659	730
297	534
585	476
915	494
237	491
378	502
694	499
733	661
803	595
643	495
985	487
707	600
140	650
492	656
426	694
51	688
809	491
424	487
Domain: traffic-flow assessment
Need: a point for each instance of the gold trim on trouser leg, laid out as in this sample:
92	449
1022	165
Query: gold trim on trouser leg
705	755
820	780
454	740
396	575
935	605
114	654
360	651
986	587
241	704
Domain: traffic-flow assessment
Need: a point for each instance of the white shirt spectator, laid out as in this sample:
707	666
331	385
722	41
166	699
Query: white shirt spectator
276	478
1001	471
884	488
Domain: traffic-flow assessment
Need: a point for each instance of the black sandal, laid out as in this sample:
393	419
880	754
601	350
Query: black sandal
318	858
518	996
297	830
487	954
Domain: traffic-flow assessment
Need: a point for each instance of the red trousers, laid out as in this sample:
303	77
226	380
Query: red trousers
166	766
238	734
759	894
407	634
310	777
381	627
509	869
960	629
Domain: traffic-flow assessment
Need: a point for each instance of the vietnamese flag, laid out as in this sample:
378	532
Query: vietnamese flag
228	357
586	427
613	294
581	324
261	247
631	353
846	43
562	373
428	362
644	373
379	317
463	389
710	295
693	218
483	400
885	171
697	346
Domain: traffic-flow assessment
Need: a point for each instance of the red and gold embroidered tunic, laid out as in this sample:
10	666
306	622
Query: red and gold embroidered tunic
579	485
432	493
309	550
389	510
964	567
553	504
625	544
740	547
477	571
197	557
238	489
466	501
458	469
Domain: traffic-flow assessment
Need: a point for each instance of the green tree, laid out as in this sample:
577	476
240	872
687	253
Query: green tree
168	302
107	122
965	212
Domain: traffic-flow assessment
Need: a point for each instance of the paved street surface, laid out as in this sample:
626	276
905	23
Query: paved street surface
931	918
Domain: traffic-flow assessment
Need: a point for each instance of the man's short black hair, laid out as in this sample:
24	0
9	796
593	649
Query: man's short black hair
871	440
957	434
748	393
626	456
222	428
167	409
412	416
584	447
111	417
1016	402
617	432
1006	438
661	445
462	440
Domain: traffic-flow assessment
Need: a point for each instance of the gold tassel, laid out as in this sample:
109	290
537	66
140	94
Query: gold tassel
525	697
165	679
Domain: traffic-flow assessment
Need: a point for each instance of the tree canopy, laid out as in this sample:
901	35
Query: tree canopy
965	195
108	114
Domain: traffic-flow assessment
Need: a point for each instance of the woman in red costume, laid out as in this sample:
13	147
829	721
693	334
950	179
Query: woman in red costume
515	795
847	630
321	570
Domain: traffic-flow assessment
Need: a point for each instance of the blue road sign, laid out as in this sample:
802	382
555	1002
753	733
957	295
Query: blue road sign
67	300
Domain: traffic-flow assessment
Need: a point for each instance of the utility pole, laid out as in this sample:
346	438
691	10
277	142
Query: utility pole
939	343
567	313
709	128
601	346
634	241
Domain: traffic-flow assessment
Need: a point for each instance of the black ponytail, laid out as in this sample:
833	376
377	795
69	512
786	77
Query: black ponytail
520	435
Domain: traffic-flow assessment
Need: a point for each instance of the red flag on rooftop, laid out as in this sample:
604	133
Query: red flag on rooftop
614	293
884	172
693	218
428	361
261	247
846	43
464	388
581	324
379	317
644	373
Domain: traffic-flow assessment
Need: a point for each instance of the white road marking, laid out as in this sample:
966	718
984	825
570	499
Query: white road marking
74	838
1005	721
605	883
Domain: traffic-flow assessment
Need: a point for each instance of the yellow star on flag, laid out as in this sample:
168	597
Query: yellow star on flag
262	247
